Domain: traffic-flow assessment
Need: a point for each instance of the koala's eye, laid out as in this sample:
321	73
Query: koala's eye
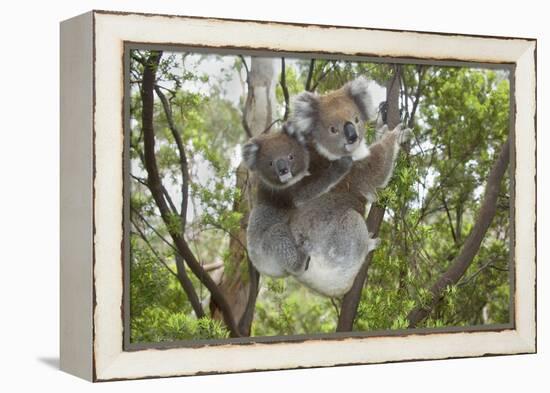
290	157
333	130
270	163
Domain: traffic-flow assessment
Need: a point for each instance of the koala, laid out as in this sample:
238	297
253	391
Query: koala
334	123
333	126
279	164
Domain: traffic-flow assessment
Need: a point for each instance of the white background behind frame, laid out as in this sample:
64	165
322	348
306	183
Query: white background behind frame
32	327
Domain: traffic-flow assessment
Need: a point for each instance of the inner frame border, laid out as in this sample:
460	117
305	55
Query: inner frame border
128	46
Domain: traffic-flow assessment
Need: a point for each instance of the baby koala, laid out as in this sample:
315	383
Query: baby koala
279	163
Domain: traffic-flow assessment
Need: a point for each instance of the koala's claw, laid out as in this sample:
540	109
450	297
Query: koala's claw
374	242
302	262
405	135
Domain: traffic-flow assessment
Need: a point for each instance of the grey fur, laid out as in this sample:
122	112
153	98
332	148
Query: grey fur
338	239
334	224
305	112
249	152
358	89
321	119
271	246
314	187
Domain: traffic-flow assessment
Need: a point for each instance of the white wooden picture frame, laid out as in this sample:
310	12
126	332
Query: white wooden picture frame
92	162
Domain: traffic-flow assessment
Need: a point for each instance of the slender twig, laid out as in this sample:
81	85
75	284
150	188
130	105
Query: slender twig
310	75
181	275
184	167
324	74
231	235
285	88
490	264
155	231
170	202
245	66
153	249
421	73
141	181
449	218
249	98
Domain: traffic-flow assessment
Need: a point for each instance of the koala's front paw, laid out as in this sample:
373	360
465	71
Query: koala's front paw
403	134
381	131
344	164
374	242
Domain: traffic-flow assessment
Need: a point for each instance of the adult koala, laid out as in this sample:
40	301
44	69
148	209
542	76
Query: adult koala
333	224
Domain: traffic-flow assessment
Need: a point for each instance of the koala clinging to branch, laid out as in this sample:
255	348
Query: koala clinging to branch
280	163
334	224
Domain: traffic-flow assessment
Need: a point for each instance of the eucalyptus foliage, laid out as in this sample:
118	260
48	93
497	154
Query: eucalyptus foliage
460	122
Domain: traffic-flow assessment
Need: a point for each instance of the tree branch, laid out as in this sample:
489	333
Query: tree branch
155	231
324	74
245	324
188	287
421	72
310	74
285	88
244	122
374	221
473	242
449	218
184	167
155	183
143	237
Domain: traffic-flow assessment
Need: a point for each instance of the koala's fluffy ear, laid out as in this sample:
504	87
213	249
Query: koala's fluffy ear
358	90
292	131
250	153
305	112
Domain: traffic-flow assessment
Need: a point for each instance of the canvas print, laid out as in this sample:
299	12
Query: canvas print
290	197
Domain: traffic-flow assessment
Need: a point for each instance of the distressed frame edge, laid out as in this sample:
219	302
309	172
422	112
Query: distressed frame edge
527	339
304	24
525	84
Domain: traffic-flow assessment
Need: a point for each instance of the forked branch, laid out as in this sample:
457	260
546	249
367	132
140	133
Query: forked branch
471	246
156	187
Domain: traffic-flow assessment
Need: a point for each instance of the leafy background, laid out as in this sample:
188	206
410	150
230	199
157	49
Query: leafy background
460	124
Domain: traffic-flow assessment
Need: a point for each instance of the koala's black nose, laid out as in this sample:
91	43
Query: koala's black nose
350	132
282	166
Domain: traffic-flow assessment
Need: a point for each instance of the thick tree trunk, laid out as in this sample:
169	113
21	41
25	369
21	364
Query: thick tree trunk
240	283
